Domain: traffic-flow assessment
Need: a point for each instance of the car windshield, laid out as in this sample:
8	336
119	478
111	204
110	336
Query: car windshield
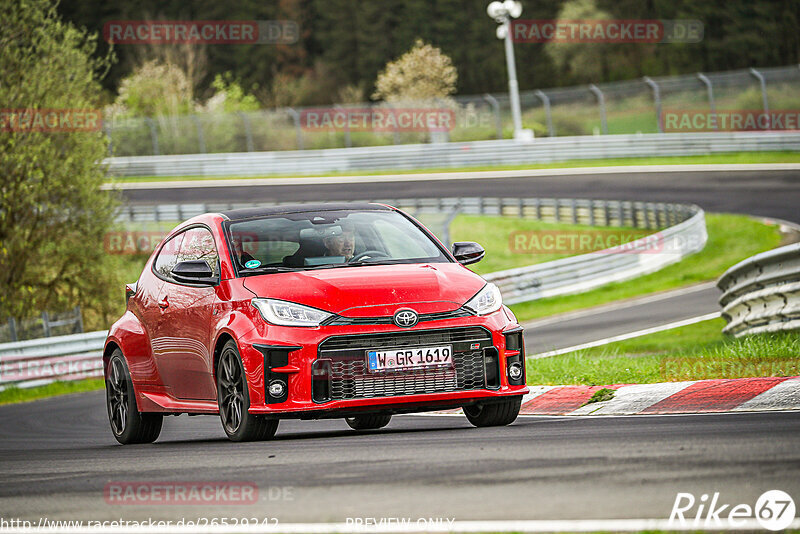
327	239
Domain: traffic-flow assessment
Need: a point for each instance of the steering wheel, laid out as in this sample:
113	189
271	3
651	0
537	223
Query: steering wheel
369	253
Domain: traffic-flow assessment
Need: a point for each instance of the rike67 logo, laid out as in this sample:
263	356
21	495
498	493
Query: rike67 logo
773	510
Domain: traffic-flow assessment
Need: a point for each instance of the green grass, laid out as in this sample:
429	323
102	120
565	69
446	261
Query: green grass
731	238
693	352
712	159
14	394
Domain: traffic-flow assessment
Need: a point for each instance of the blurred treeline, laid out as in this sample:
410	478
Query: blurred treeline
345	43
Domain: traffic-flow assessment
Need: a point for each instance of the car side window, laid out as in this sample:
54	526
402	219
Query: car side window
168	256
198	244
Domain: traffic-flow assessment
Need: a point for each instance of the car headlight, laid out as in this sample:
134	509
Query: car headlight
487	300
285	313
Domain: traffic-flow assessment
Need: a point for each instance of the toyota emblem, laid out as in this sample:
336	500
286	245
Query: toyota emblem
405	318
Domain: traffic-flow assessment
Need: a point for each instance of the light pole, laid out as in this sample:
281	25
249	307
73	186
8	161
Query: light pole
502	13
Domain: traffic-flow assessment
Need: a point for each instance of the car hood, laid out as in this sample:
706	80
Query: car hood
375	290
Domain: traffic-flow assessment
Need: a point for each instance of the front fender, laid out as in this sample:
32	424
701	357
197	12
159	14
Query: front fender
130	336
239	326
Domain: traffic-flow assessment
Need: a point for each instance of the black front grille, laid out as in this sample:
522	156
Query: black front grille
349	378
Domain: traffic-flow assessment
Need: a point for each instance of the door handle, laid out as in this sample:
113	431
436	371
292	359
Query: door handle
163	303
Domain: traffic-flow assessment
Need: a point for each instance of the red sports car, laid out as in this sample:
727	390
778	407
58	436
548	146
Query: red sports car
310	311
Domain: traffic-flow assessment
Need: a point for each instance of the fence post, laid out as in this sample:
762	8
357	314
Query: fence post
78	320
12	328
348	141
153	134
248	132
498	122
548	112
107	130
46	324
760	77
201	140
601	102
657	97
298	130
710	90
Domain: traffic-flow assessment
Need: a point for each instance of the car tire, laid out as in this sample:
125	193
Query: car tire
494	414
128	424
368	422
233	400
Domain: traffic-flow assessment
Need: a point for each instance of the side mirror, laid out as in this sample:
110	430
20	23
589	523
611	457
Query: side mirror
194	272
467	252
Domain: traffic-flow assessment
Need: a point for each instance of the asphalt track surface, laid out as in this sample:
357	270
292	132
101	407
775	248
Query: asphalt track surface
58	455
768	193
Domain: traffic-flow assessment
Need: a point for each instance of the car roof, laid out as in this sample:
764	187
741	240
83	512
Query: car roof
263	211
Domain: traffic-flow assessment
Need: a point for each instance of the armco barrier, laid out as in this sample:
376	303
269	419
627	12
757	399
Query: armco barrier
762	293
448	155
35	362
40	361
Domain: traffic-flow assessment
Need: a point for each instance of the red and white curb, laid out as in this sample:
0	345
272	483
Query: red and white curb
701	396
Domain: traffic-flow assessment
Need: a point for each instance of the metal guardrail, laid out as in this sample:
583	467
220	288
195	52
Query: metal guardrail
36	362
762	293
427	156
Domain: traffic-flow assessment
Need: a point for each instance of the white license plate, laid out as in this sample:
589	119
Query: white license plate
410	358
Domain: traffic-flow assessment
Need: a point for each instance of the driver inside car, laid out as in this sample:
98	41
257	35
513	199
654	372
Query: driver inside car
342	243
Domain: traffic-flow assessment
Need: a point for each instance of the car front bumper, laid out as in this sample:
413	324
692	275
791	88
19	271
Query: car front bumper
293	356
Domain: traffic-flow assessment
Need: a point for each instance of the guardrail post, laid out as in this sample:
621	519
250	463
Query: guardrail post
46	324
447	223
710	90
551	130
760	77
298	130
153	134
601	102
248	131
201	140
498	122
574	210
657	98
